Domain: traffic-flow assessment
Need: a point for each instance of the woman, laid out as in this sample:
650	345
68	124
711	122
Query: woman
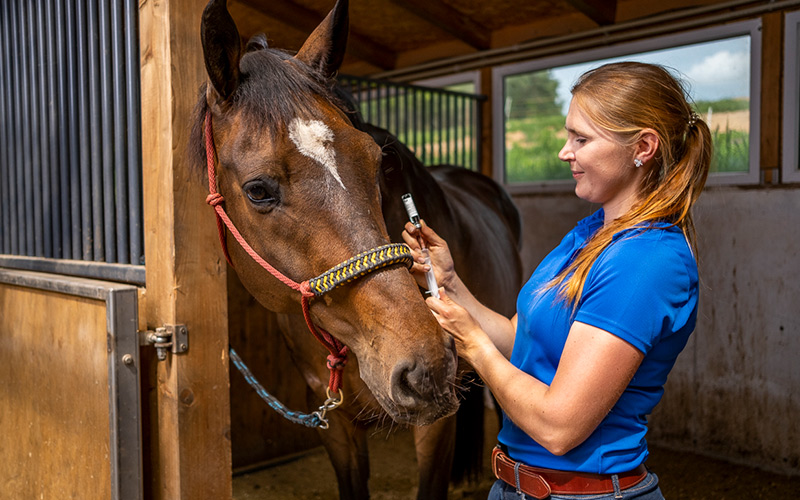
604	316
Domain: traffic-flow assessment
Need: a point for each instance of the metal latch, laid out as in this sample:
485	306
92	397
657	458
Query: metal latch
174	338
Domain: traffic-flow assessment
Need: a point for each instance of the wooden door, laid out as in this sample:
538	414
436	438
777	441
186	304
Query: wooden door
69	398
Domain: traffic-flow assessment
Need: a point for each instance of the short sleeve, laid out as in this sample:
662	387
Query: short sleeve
642	288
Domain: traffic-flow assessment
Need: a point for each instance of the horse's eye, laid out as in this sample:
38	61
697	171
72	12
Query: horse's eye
261	193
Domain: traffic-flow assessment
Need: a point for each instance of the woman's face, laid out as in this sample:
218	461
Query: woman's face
602	167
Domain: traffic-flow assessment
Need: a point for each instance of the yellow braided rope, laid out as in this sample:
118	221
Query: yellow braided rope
361	264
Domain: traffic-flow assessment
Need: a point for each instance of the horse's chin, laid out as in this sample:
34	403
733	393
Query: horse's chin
423	413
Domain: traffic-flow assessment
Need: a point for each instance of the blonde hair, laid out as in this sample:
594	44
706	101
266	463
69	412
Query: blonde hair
625	98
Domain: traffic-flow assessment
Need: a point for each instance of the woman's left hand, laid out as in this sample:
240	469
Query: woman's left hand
454	319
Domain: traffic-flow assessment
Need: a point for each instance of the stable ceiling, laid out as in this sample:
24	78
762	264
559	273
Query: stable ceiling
391	35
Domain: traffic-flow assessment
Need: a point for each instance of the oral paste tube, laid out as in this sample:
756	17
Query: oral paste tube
413	215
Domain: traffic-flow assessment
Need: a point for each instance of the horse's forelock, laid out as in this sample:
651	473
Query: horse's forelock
274	88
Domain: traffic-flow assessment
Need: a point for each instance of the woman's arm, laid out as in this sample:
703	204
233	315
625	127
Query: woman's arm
594	370
500	329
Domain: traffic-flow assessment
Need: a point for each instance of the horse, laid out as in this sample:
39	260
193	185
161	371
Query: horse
308	189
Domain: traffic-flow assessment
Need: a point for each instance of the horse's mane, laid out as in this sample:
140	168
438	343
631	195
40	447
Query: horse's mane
274	87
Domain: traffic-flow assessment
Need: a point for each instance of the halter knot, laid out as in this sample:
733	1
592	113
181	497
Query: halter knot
337	362
305	289
214	199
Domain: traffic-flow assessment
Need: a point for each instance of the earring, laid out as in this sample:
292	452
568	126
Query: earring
638	162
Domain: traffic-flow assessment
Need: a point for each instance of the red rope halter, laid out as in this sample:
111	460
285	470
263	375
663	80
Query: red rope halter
337	358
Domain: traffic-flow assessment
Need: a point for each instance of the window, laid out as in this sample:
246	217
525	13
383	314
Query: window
791	99
720	67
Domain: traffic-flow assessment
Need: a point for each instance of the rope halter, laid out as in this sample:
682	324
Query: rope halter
351	269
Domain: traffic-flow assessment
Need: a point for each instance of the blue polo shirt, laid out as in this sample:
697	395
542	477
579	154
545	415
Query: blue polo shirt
643	288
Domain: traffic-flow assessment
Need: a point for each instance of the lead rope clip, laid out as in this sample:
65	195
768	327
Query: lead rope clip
330	404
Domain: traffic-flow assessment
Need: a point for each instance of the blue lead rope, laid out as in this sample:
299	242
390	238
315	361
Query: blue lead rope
314	419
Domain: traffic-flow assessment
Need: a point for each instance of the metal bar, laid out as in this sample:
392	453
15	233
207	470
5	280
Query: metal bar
414	115
35	136
446	128
124	273
85	176
62	116
41	134
466	144
52	132
25	153
476	137
106	176
406	116
378	113
119	117
133	128
73	46
425	120
124	409
15	165
95	119
5	115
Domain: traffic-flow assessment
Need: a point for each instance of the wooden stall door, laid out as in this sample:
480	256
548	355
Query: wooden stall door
69	397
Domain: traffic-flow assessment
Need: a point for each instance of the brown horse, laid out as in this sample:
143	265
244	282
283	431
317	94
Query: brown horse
308	190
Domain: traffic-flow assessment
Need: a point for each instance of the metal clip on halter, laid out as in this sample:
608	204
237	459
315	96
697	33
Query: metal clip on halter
330	404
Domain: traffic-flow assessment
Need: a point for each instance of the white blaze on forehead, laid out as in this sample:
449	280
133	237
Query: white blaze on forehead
315	140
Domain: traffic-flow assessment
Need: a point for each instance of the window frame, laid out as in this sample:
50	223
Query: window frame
750	27
790	170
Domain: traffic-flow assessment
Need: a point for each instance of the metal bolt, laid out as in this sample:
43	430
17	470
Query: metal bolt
127	359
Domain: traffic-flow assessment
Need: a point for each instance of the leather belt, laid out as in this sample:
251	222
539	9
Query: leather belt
540	483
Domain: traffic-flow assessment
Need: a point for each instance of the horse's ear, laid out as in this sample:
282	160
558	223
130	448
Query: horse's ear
324	48
257	42
222	48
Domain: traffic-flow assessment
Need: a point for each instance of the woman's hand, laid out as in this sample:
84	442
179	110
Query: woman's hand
438	251
471	340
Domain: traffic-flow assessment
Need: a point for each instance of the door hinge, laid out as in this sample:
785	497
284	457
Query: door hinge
172	338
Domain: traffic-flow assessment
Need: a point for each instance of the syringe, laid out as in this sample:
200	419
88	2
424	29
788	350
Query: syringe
413	215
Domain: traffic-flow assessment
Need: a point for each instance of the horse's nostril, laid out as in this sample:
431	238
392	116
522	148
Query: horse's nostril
410	384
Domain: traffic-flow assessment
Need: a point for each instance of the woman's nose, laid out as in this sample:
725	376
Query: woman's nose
565	154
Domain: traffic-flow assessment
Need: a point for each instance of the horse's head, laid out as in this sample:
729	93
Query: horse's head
300	184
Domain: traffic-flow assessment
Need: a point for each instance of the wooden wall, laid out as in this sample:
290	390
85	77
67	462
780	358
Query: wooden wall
259	433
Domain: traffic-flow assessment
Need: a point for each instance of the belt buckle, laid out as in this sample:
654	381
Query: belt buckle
534	484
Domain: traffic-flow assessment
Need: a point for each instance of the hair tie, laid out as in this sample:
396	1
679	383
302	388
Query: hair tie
693	119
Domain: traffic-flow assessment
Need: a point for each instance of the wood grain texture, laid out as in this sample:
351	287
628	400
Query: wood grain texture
54	396
190	424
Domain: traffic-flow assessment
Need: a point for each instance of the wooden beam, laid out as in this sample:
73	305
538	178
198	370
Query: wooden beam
296	16
771	87
603	12
450	20
186	275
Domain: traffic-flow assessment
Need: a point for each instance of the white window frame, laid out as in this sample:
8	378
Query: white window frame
791	98
749	27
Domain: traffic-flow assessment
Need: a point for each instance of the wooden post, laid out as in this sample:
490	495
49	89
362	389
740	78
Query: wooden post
186	277
771	88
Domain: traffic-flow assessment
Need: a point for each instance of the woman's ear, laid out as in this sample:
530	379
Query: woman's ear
647	145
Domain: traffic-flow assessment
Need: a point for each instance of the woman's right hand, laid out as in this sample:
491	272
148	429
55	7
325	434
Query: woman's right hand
438	251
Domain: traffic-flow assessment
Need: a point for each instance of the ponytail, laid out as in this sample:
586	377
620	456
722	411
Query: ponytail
625	98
